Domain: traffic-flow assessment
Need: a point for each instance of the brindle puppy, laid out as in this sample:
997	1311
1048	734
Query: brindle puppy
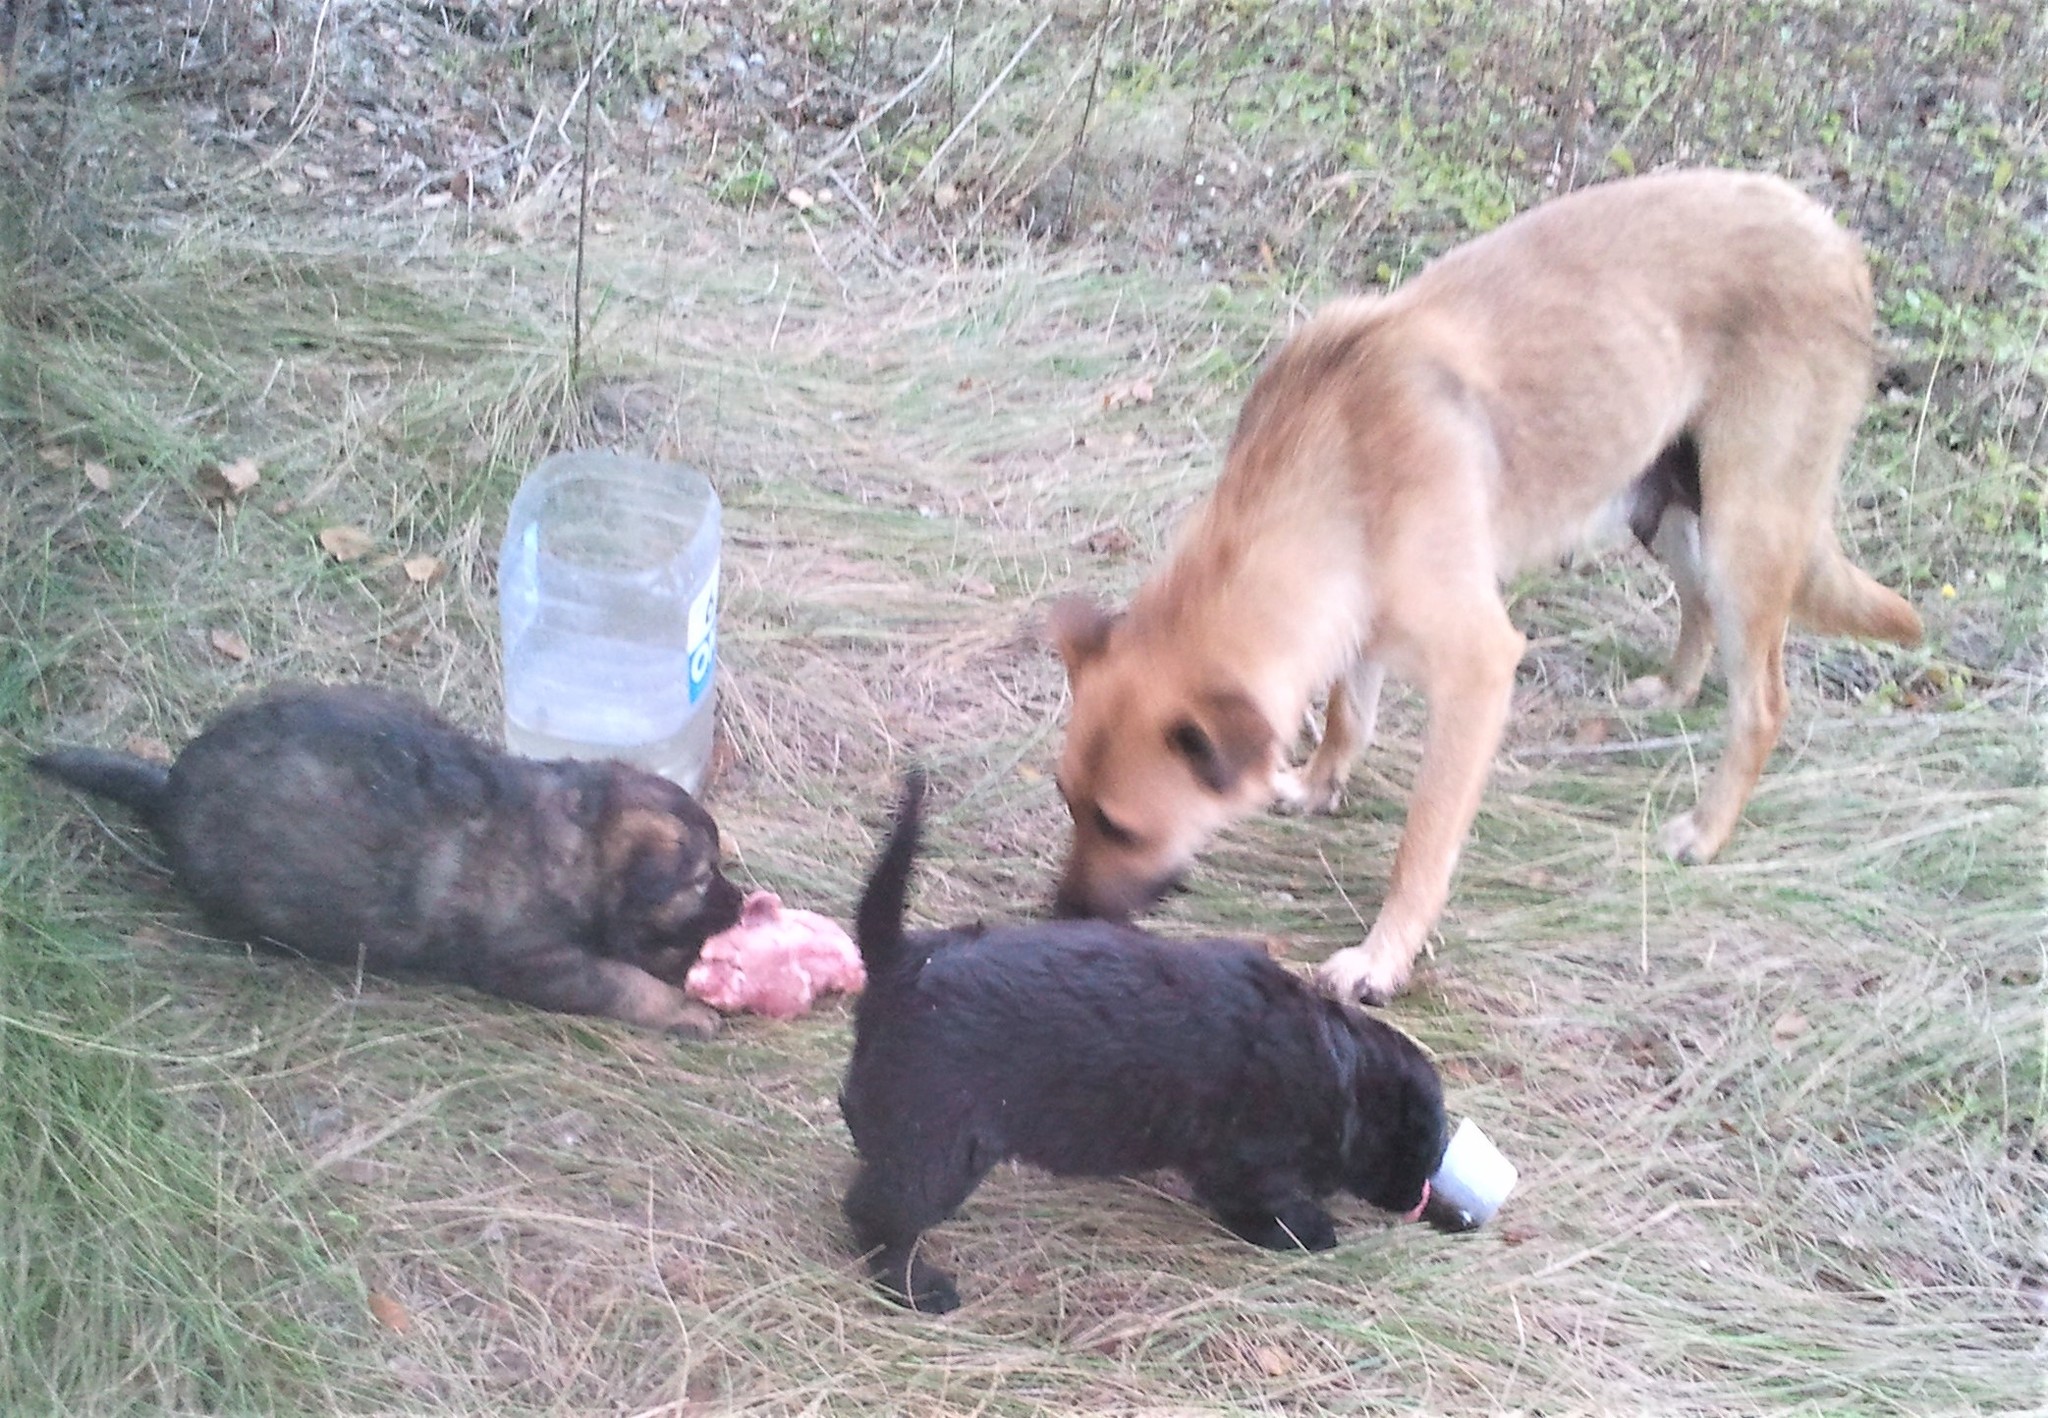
355	826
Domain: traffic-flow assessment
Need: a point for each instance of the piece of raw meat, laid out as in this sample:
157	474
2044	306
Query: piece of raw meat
775	961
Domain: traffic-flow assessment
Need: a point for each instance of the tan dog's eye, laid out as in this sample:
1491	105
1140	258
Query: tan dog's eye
1114	831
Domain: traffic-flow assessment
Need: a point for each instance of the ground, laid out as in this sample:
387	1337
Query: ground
956	308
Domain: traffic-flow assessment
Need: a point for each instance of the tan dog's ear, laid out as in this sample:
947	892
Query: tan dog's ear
1079	629
1235	740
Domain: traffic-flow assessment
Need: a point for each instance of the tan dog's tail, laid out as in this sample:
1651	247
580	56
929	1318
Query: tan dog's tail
1836	597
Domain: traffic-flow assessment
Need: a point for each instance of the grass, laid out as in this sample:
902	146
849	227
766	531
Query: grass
1779	1119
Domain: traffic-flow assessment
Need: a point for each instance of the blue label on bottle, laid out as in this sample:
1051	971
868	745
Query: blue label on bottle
703	636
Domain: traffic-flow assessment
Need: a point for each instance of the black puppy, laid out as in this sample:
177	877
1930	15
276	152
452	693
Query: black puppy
1093	1049
356	826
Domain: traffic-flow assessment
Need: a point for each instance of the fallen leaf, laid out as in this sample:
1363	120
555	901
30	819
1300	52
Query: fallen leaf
1593	731
230	645
229	482
57	455
98	474
424	570
317	172
358	1171
390	1313
1109	541
1273	1361
1788	1026
149	749
1138	391
345	544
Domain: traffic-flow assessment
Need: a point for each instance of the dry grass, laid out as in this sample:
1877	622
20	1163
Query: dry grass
1779	1118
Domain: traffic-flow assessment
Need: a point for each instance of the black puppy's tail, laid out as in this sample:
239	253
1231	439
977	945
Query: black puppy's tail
133	782
878	925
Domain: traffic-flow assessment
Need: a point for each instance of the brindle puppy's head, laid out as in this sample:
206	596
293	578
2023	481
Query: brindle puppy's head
658	858
1157	761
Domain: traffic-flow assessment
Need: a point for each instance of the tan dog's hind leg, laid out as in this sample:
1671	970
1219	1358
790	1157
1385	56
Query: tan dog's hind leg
1757	530
1465	651
1348	726
1677	546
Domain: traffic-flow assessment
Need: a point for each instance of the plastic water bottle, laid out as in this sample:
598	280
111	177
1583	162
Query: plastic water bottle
608	593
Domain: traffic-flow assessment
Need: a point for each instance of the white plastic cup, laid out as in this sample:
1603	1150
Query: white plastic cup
1471	1182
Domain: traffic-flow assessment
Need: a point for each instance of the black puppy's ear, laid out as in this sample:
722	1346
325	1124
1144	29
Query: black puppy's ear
1079	630
1235	739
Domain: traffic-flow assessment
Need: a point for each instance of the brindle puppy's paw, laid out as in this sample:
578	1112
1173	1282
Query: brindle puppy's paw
696	1020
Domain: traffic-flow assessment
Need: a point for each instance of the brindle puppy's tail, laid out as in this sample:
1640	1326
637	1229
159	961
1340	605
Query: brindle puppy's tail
878	925
133	782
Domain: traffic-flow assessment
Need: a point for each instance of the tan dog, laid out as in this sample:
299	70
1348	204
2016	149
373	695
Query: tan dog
1689	352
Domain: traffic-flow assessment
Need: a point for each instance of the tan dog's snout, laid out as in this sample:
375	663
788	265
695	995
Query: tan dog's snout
1093	886
1160	756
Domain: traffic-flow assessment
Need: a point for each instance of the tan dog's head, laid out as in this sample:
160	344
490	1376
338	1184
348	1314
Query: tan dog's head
1157	761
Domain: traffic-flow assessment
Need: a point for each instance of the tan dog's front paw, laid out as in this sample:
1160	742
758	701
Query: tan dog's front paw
1311	798
1362	974
1682	841
1651	692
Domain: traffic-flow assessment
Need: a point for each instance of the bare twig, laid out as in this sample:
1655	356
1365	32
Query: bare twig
1087	112
966	119
852	134
583	200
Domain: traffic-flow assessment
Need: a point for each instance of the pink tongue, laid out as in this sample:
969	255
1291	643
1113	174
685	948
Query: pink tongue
1416	1214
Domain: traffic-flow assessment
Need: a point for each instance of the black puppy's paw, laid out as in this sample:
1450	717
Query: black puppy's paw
909	1282
1310	1226
1300	1226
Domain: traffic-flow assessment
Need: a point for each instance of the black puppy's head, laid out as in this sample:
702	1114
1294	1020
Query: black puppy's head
1395	1130
664	895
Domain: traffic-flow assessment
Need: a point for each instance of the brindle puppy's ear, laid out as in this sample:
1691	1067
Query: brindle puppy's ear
1235	739
1079	630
